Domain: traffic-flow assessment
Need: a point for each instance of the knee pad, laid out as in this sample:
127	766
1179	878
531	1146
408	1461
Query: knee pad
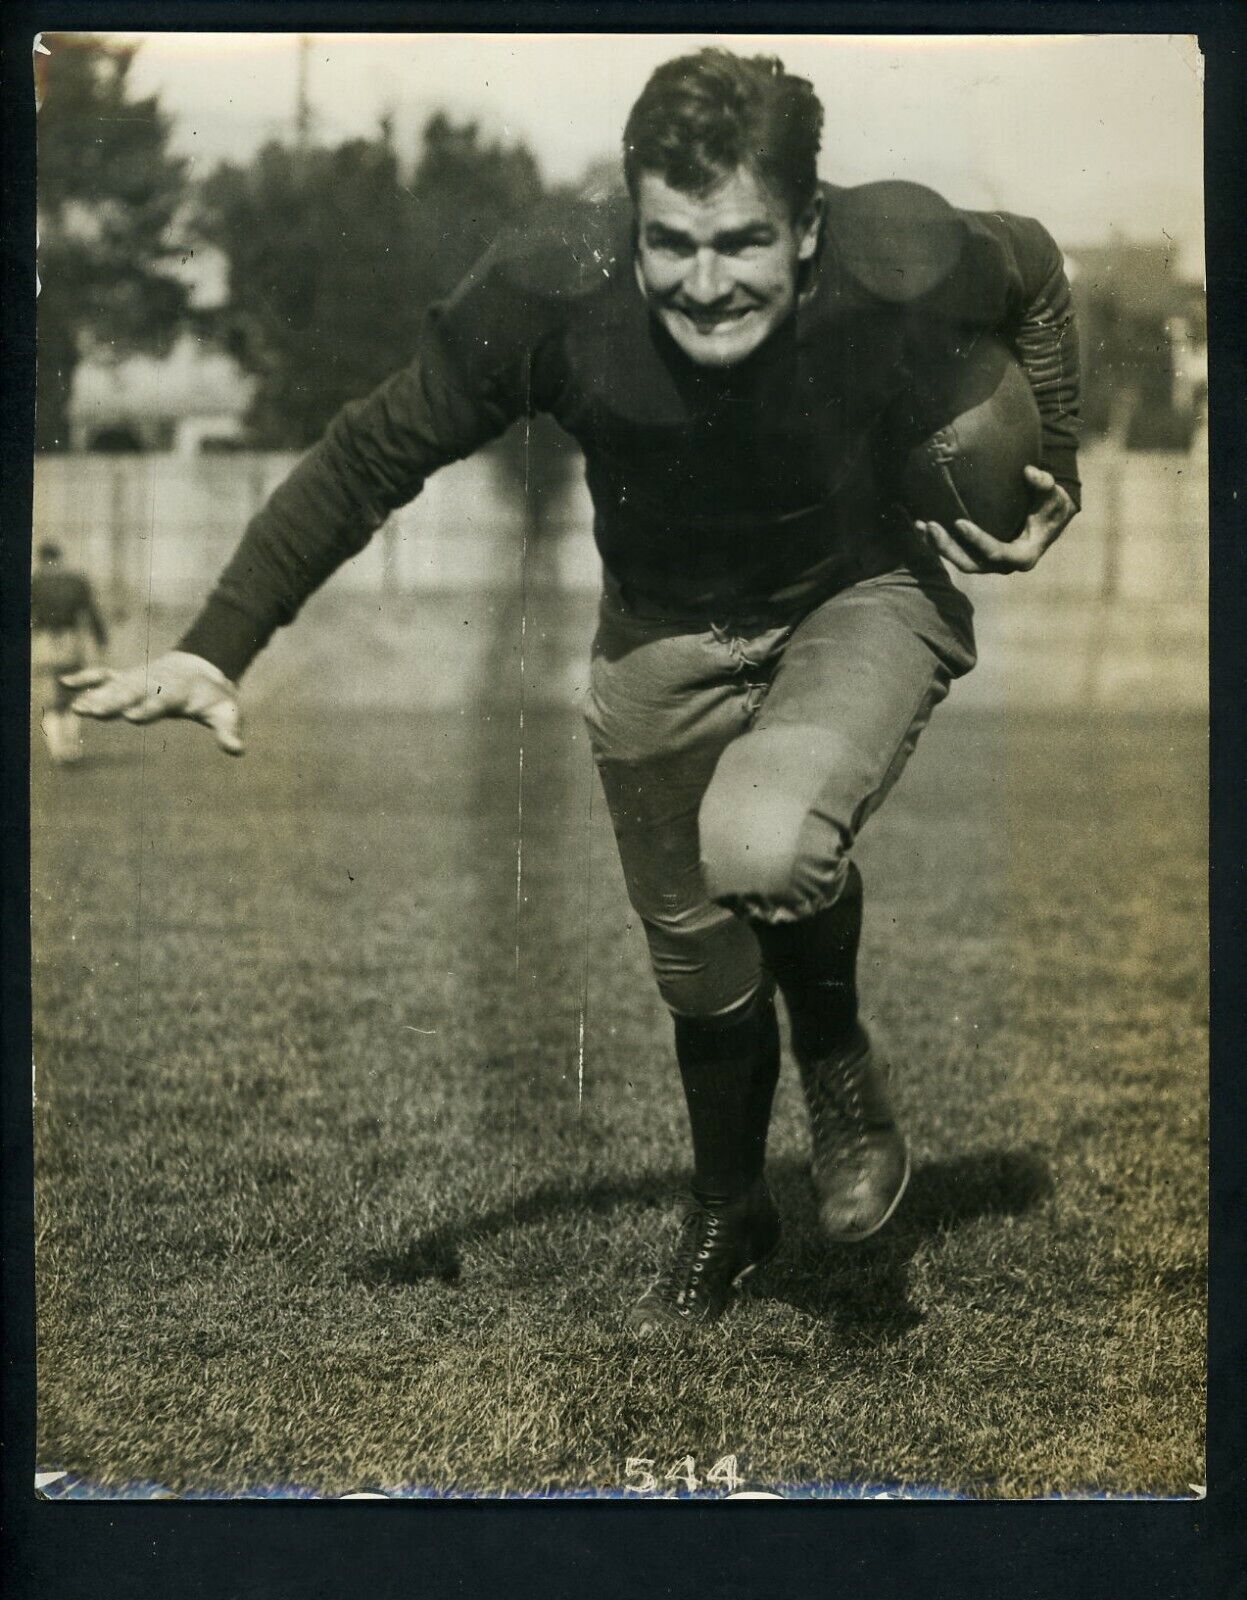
772	847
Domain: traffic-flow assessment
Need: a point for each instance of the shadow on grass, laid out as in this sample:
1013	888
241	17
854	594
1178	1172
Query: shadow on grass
436	1254
864	1287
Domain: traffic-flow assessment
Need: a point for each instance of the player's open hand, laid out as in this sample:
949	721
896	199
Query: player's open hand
177	684
970	548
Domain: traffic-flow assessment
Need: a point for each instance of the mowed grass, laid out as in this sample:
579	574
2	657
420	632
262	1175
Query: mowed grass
350	1155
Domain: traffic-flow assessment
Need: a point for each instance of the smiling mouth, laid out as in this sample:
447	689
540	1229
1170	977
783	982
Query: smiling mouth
709	323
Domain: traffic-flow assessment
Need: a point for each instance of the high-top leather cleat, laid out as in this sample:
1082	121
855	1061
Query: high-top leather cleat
717	1248
860	1161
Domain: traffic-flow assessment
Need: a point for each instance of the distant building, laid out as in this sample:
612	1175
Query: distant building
195	398
1145	344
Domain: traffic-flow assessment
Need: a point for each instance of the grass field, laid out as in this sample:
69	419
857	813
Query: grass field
333	1190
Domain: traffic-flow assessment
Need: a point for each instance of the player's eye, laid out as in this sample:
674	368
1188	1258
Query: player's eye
669	244
741	244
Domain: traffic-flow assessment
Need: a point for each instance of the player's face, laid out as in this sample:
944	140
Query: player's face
720	270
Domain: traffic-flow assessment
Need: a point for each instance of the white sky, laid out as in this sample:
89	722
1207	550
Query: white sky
1086	132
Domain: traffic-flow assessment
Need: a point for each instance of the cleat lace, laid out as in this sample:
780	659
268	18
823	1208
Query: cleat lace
679	1284
859	1160
838	1116
712	1252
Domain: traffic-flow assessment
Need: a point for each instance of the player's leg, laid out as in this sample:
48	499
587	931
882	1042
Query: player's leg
665	702
857	683
68	726
51	654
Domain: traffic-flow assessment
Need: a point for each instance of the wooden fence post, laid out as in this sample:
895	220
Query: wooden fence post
118	583
389	559
1100	617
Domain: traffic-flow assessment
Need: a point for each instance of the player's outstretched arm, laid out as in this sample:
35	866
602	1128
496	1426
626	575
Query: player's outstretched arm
970	548
177	684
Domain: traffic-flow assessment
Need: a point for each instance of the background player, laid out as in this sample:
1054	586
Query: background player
737	354
67	632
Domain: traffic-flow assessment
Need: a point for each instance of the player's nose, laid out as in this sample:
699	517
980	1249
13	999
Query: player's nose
707	282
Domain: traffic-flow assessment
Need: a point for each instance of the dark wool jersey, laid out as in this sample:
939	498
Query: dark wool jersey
60	600
717	492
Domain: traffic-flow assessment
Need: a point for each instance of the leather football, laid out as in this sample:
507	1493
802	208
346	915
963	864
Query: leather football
979	427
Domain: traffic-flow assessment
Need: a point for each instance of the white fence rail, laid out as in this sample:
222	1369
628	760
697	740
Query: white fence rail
1116	614
158	528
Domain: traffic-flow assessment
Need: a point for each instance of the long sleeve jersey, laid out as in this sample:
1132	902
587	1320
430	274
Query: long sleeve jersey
60	600
716	492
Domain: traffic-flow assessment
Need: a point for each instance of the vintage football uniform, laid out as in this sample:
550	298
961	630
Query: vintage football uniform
66	629
773	636
737	492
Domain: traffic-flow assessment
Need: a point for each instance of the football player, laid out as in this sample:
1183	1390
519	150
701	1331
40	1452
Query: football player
734	350
66	631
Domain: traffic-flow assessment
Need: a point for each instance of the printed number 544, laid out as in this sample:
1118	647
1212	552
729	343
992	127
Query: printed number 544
644	1478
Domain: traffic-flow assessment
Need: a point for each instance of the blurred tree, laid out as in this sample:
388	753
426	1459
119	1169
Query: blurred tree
325	282
333	259
468	192
108	191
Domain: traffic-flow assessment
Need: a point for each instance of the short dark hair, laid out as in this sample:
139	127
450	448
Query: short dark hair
703	115
50	552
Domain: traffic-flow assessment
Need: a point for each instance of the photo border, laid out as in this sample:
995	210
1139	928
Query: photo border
1154	1548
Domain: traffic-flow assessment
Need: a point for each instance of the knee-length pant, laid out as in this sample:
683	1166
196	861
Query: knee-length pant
740	761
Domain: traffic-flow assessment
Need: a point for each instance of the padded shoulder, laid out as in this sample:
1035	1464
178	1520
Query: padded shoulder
898	241
503	328
572	248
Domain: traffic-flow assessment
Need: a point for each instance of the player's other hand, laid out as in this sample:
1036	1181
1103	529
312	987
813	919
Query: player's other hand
177	684
970	548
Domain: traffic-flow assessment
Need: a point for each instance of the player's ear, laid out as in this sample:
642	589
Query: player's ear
809	227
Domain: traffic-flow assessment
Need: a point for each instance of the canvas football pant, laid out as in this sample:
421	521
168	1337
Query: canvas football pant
739	761
54	651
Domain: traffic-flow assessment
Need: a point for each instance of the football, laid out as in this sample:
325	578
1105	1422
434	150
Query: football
978	426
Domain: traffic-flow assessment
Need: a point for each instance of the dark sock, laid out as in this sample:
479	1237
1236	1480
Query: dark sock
814	961
729	1067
